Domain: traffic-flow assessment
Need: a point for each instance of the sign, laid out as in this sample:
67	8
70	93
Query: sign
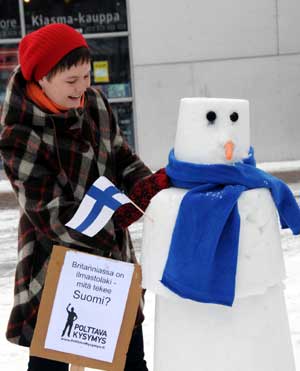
9	19
87	311
101	71
89	16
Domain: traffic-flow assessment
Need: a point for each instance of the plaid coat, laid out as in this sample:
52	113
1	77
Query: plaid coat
51	160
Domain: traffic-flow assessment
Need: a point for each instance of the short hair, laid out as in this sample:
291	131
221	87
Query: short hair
74	58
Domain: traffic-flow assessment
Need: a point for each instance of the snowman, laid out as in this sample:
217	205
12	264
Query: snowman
211	249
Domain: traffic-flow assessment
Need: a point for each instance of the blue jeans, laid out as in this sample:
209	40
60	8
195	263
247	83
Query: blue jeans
134	361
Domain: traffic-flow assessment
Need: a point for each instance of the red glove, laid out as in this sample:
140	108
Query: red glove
141	194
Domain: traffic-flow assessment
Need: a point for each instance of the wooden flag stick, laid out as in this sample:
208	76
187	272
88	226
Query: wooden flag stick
142	211
77	368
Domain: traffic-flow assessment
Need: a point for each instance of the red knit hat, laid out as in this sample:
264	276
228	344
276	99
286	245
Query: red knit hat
41	50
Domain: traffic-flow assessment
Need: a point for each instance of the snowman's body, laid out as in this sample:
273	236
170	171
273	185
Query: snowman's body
253	334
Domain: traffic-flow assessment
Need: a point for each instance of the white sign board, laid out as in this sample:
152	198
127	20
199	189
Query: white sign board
89	306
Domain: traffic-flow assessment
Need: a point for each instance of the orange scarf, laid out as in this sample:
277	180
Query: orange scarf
36	94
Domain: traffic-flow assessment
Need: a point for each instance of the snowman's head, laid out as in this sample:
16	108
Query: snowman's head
212	130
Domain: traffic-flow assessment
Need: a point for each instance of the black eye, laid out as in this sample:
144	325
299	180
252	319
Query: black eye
211	116
234	116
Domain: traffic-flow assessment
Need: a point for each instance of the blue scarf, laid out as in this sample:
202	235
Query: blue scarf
202	259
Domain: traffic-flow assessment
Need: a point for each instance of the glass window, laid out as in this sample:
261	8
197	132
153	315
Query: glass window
88	16
124	117
9	19
110	66
8	61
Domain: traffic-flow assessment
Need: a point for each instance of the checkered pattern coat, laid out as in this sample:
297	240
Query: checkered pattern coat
51	160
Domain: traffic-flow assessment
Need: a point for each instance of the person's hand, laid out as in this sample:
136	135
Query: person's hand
141	194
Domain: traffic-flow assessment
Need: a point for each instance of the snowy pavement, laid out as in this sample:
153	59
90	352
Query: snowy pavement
14	358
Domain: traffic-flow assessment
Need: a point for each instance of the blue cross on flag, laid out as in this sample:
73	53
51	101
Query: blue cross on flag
97	207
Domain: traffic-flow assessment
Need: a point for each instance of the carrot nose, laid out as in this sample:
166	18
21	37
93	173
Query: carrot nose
229	146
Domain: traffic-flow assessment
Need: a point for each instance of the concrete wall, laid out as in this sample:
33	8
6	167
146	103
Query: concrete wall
246	49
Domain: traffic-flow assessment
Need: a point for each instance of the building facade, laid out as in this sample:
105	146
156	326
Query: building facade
248	49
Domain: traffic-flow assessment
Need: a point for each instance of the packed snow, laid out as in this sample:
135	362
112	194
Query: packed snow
5	186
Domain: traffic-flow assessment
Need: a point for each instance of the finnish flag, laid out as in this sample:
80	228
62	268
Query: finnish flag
97	207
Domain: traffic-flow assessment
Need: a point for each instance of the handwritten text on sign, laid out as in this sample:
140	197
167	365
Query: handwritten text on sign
89	306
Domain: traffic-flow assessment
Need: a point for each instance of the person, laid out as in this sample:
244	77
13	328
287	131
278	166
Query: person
72	317
58	136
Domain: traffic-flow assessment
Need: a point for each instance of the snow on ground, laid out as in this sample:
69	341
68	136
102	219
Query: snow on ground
5	186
